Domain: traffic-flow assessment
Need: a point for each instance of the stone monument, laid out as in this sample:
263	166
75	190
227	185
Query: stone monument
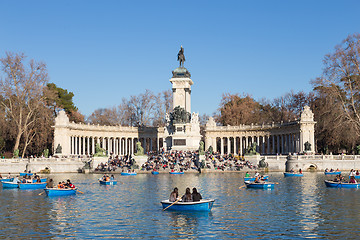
182	131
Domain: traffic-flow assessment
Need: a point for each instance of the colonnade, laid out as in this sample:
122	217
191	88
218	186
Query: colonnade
266	144
85	145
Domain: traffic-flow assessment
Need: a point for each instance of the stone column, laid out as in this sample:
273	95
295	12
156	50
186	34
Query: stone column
263	145
268	145
151	144
126	146
132	146
92	145
282	144
76	146
228	145
240	145
235	152
221	146
278	143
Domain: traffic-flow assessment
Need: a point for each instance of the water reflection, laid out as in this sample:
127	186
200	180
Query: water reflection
295	208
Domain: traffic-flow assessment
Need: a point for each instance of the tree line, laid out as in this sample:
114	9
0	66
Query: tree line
29	105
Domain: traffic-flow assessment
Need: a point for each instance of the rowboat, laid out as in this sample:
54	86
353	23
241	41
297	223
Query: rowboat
341	184
355	176
111	182
176	172
32	185
262	185
24	174
288	174
155	172
51	192
251	179
128	174
6	179
42	180
333	173
202	205
9	185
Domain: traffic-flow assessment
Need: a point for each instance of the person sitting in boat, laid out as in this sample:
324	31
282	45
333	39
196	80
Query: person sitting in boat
187	196
195	195
291	170
352	180
337	170
9	176
60	185
300	171
257	179
357	173
262	178
69	184
256	174
174	195
23	180
112	178
331	170
352	172
247	174
38	180
16	180
50	183
326	170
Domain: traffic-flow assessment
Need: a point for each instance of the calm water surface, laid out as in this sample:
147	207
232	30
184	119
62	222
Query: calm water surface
296	208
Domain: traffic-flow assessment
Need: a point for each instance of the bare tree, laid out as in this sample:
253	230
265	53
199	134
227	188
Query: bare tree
340	80
21	87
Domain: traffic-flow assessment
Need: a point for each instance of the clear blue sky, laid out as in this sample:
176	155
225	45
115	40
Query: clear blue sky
104	51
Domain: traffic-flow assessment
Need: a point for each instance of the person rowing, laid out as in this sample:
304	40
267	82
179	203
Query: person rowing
187	197
174	195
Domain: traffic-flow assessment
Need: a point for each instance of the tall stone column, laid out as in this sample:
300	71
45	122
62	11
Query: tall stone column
234	145
228	145
278	143
282	144
92	145
222	146
240	146
268	150
273	144
76	146
126	146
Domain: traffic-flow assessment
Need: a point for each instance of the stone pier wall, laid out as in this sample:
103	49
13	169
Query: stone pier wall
56	165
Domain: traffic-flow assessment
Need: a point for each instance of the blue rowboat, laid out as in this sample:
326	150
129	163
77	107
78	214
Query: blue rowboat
288	174
333	173
155	172
111	182
24	174
9	185
341	184
32	185
263	185
52	192
42	180
7	179
202	205
176	172
251	179
128	174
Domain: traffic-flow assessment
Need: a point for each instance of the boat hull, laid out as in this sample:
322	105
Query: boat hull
7	180
202	205
128	174
42	180
53	192
251	179
108	182
154	173
9	185
341	184
293	174
30	186
176	172
267	185
332	173
355	176
24	174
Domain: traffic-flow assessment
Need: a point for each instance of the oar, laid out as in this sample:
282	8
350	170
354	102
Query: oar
172	204
80	191
242	186
41	193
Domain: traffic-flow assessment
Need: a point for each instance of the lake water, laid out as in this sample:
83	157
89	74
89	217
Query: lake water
296	208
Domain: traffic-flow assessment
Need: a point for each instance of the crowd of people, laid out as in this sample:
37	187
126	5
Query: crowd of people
189	160
115	163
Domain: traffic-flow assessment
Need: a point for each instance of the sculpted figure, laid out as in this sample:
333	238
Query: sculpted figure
181	57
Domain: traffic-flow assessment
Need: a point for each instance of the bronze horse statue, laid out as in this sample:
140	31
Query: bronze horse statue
181	57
